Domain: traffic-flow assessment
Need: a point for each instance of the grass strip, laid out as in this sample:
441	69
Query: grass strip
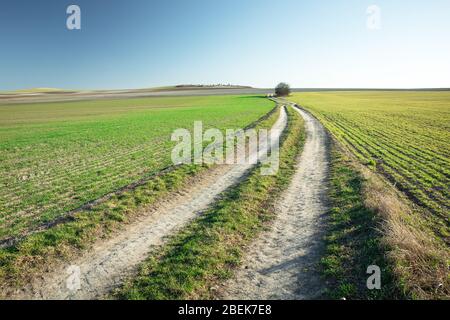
39	251
208	250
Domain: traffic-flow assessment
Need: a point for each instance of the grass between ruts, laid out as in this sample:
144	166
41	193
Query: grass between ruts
371	224
208	250
40	251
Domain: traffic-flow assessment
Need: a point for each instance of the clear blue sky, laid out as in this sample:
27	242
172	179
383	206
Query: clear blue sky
144	43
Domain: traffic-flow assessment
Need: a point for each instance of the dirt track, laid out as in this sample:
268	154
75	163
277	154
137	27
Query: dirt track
282	264
109	262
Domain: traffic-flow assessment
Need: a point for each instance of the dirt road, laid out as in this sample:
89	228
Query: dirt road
103	268
282	264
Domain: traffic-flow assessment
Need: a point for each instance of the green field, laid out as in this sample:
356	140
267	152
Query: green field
55	157
403	135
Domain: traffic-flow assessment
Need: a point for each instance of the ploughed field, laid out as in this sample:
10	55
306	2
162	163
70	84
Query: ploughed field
55	157
403	135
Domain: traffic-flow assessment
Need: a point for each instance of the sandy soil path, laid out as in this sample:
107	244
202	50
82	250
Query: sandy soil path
103	268
282	264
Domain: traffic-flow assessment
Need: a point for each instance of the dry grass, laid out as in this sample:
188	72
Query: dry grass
420	261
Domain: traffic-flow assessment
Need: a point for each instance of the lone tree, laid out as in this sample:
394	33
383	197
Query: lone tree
282	89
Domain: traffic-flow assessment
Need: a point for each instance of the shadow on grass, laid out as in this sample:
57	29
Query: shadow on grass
253	97
353	240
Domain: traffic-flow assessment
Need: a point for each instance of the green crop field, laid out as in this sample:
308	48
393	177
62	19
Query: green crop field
403	135
55	157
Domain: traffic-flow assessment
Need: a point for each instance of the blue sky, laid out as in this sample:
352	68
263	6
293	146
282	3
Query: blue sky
145	43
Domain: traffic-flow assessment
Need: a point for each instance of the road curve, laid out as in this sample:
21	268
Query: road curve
282	263
100	270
